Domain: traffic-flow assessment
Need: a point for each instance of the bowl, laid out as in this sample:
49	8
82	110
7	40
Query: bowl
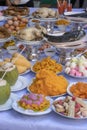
62	28
12	49
50	51
21	1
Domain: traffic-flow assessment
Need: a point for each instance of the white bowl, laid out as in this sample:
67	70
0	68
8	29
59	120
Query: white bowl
50	51
12	49
62	28
21	1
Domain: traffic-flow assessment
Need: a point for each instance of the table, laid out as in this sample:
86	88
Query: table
12	120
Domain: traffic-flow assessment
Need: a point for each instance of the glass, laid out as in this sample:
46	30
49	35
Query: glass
36	3
69	7
62	5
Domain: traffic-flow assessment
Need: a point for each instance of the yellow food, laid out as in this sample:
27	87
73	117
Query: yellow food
62	22
79	90
9	43
21	62
49	64
48	83
21	69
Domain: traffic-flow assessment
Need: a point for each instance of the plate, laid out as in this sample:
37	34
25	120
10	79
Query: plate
36	93
46	19
73	13
8	104
20	84
6	39
53	108
30	112
77	19
30	42
70	45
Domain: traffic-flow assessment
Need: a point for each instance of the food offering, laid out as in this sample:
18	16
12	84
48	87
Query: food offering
70	107
8	43
14	11
32	34
48	84
62	22
78	89
4	33
35	102
44	13
48	64
16	23
76	67
22	64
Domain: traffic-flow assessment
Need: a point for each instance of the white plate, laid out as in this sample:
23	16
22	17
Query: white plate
6	39
31	112
53	108
30	42
21	1
47	19
36	93
8	104
20	84
77	19
73	12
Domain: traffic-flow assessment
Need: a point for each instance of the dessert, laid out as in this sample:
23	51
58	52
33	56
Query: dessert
48	83
71	107
35	102
79	89
32	33
13	11
48	64
77	67
14	24
45	13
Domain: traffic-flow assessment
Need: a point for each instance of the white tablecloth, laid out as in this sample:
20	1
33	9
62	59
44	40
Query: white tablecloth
12	120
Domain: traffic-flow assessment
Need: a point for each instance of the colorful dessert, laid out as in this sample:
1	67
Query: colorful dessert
35	102
77	67
71	107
